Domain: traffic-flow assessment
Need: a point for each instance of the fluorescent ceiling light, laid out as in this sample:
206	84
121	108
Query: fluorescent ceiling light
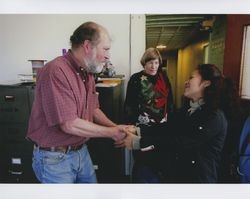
161	46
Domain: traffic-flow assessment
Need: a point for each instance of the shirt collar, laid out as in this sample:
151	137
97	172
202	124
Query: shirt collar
81	69
195	105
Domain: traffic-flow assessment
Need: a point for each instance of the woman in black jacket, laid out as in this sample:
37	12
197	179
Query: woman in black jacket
189	146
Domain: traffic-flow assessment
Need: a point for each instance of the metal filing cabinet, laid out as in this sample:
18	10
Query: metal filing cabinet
15	150
109	161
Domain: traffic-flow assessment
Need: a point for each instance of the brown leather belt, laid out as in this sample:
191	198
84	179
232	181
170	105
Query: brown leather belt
64	149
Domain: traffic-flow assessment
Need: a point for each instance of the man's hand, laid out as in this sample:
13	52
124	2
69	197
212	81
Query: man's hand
124	129
120	132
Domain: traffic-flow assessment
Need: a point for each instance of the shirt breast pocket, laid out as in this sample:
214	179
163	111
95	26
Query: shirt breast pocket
94	100
92	104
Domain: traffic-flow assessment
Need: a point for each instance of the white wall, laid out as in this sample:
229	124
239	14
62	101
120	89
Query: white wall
42	36
138	41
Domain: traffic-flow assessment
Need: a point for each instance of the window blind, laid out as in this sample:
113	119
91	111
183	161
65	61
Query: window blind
245	66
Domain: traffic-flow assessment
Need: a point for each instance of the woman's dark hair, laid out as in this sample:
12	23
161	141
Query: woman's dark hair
87	31
222	92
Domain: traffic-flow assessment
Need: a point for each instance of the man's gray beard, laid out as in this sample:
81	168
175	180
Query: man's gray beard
95	69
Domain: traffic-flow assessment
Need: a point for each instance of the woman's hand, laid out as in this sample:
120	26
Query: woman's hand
131	129
127	142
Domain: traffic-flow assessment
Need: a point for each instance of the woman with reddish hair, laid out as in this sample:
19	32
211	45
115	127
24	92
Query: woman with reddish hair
149	101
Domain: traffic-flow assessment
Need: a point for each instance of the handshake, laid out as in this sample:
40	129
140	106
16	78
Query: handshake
128	135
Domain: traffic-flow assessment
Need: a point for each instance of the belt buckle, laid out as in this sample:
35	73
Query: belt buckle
62	149
58	149
68	149
52	149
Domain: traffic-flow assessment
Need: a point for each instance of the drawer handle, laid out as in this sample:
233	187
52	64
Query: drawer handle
16	172
9	98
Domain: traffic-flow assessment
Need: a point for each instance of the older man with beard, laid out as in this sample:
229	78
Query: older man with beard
66	113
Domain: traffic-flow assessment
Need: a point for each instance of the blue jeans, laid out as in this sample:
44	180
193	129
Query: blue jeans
59	167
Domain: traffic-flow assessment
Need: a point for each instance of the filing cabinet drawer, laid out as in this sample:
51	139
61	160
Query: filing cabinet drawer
17	168
14	104
13	133
16	154
17	149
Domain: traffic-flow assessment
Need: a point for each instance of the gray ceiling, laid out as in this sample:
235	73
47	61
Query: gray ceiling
174	31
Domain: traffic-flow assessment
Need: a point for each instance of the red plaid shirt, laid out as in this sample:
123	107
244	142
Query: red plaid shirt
60	96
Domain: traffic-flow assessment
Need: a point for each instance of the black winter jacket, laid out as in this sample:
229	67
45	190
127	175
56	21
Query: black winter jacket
188	147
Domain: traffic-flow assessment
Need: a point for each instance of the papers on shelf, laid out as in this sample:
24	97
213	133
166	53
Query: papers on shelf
106	84
109	79
10	82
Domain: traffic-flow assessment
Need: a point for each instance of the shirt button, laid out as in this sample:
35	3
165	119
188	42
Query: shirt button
193	161
200	127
